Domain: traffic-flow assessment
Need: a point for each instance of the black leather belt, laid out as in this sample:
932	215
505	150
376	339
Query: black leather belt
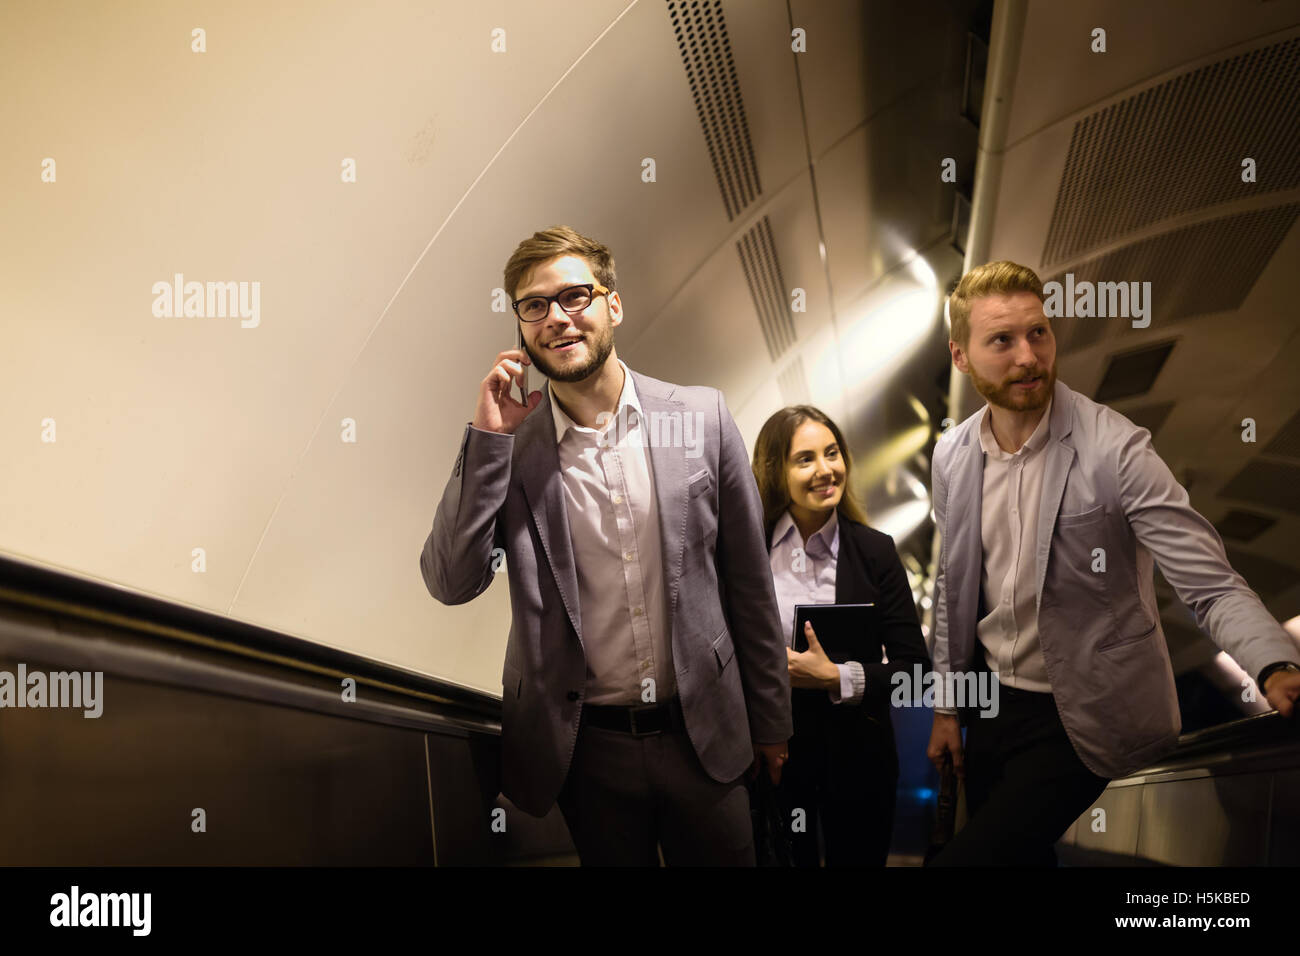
640	720
1017	694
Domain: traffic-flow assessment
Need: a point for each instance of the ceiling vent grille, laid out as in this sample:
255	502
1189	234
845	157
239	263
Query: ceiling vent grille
1178	146
706	53
762	268
1132	373
1232	249
1270	484
1243	526
1266	577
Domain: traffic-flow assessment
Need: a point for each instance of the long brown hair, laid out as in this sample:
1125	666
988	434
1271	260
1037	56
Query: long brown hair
771	451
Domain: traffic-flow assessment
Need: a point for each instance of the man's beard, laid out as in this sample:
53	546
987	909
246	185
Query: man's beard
1007	395
599	347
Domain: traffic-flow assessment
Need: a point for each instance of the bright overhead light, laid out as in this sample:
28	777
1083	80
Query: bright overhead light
885	334
900	521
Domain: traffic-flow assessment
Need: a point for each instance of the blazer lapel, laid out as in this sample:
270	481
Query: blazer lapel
538	462
1060	456
669	473
965	544
848	569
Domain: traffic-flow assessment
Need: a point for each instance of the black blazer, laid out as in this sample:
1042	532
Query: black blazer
867	571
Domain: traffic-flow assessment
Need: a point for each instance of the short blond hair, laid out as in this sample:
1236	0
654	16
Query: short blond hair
993	278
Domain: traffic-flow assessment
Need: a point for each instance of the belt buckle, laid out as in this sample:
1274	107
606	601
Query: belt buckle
631	713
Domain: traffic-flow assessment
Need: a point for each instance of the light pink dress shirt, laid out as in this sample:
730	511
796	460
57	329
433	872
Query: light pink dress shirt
808	577
1013	487
614	525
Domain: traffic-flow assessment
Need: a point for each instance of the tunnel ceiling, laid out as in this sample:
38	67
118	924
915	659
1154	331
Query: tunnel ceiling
305	453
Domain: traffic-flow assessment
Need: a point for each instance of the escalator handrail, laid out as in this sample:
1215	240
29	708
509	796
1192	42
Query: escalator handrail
45	589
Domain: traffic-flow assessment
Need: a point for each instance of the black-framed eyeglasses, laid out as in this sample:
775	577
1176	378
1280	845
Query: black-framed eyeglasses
534	308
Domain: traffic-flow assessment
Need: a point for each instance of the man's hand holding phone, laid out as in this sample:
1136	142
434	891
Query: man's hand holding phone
498	410
945	738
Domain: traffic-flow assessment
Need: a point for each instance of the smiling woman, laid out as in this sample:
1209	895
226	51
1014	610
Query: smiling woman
843	764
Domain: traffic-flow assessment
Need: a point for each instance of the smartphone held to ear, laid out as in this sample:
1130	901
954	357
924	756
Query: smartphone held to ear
524	389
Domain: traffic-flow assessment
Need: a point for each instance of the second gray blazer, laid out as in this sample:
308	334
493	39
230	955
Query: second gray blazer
1107	496
728	651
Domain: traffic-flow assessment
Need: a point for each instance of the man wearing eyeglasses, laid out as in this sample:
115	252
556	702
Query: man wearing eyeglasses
645	669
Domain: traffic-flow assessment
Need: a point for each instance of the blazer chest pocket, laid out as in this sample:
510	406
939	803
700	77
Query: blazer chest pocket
723	649
1083	518
699	508
699	484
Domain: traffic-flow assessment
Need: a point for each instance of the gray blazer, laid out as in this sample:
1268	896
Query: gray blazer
728	650
1107	661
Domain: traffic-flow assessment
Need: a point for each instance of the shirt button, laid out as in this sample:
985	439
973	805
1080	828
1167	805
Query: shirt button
617	499
636	612
645	664
627	555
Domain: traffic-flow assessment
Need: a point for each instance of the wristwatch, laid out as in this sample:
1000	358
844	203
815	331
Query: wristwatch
1268	671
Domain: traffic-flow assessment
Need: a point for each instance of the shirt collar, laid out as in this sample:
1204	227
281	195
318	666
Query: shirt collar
1036	441
829	532
626	399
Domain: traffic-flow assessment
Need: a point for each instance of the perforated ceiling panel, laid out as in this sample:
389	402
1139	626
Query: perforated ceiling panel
1233	249
762	268
1286	443
1179	146
1150	417
701	34
1073	334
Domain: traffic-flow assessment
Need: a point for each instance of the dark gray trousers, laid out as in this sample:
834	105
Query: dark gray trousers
626	796
1025	785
